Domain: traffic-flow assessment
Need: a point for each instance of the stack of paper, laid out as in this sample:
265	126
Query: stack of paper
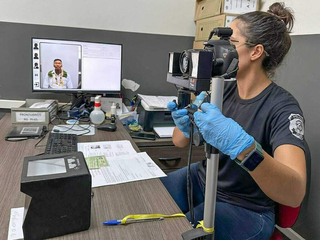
51	105
157	101
124	164
164	132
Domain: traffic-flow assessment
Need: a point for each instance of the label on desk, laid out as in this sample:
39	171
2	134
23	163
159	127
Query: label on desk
30	117
15	224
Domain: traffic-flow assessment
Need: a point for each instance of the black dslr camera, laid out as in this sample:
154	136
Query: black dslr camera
193	69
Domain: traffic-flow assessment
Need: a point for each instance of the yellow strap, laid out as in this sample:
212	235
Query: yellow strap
146	216
200	225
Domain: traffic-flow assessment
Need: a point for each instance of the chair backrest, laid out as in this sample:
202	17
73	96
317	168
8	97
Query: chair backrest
286	216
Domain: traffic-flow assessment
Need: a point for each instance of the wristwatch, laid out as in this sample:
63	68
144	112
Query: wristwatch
252	159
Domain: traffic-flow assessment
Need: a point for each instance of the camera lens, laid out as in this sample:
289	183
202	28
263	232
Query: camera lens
184	62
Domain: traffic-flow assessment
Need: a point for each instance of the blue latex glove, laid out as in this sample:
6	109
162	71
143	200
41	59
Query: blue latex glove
180	118
223	133
200	99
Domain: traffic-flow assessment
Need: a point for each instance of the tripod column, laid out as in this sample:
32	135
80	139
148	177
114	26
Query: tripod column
217	89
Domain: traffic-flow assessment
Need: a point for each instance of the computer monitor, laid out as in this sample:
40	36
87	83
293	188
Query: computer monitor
76	66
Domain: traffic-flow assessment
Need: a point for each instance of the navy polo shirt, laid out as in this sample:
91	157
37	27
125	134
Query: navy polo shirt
273	118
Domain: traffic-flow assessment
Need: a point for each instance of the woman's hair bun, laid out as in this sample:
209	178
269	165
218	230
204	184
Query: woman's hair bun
283	13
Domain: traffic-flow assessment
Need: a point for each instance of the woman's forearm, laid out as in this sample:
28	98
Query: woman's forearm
178	139
284	183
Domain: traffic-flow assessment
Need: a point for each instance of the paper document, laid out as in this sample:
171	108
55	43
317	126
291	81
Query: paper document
164	131
95	162
106	148
124	164
75	129
45	104
15	224
128	168
157	101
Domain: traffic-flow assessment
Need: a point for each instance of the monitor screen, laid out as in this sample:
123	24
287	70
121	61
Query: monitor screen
46	167
74	66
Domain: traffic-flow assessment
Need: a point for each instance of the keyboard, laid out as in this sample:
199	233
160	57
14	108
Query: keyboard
61	143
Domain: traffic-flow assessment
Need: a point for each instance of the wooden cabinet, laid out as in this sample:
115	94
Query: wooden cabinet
167	156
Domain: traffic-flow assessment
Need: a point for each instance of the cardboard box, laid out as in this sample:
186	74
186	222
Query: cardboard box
207	8
205	26
198	45
210	8
240	6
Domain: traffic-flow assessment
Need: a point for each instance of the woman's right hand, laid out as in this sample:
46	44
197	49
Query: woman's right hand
180	118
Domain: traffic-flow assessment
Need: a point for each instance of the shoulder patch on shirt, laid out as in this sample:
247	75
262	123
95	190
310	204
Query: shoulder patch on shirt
296	125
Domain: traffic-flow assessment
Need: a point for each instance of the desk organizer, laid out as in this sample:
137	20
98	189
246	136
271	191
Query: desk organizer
27	115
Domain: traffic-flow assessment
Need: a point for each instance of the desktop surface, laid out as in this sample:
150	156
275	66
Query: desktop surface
110	202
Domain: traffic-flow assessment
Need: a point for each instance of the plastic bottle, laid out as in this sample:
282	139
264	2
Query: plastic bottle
113	110
97	116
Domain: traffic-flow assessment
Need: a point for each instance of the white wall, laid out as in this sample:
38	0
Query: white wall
172	17
306	12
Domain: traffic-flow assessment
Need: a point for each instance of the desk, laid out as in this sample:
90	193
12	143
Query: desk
110	202
164	148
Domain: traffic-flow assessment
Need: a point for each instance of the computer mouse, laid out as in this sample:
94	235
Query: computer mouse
107	127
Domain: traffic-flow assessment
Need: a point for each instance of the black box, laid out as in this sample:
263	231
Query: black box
58	199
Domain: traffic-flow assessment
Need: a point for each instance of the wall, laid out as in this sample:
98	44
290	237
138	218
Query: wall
156	16
143	16
145	57
306	14
148	30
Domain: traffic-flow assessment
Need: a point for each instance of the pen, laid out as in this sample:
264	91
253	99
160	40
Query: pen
131	220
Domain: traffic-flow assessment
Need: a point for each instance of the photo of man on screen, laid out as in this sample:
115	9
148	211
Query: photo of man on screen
57	78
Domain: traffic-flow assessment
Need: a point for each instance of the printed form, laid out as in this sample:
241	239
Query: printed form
157	101
124	163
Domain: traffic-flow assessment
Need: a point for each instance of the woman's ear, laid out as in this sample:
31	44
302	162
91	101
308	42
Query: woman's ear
257	52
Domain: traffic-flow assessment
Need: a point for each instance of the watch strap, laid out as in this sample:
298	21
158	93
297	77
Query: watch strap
252	159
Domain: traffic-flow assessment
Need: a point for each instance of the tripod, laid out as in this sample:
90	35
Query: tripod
212	155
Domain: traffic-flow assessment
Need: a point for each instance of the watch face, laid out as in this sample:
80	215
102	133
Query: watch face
253	161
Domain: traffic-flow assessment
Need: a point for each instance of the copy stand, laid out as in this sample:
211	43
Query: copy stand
212	154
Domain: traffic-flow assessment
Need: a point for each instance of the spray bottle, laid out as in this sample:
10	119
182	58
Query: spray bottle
97	116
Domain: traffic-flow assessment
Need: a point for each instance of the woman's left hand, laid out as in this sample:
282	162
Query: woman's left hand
222	133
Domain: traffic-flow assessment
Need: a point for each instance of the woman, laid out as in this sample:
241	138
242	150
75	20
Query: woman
256	111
